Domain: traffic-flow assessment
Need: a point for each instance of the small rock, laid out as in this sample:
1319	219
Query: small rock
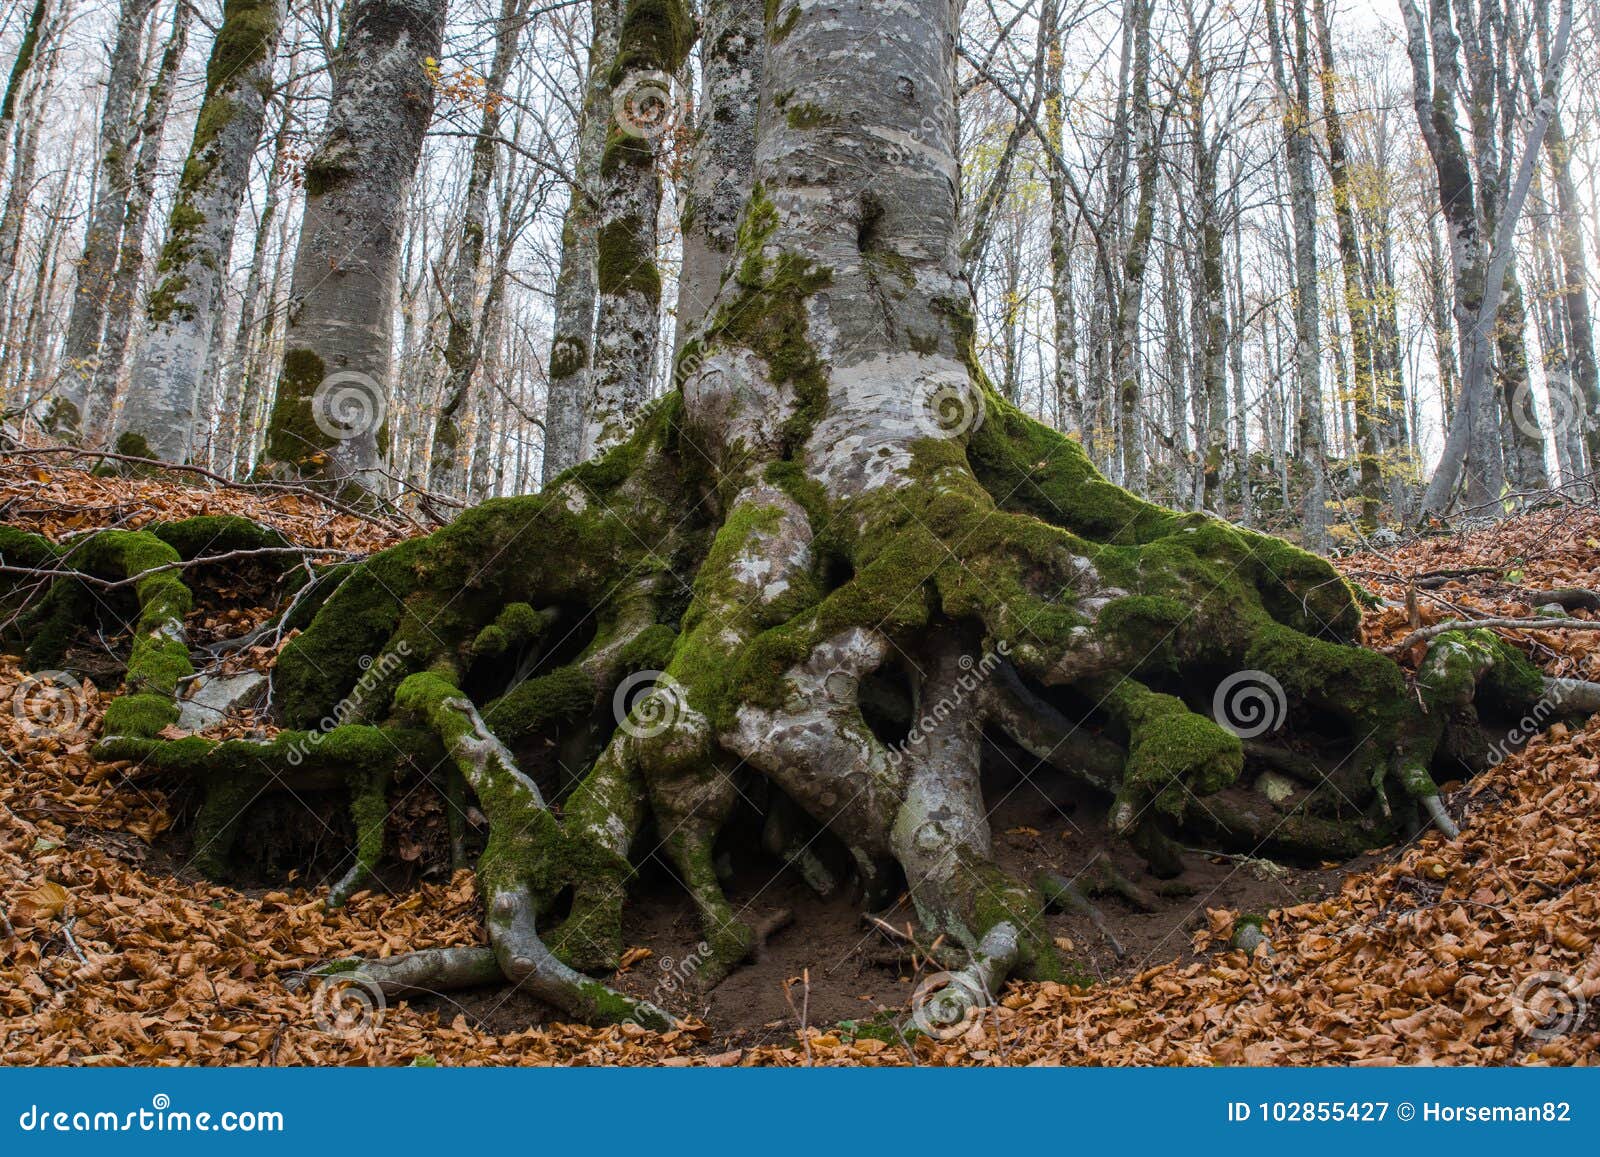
214	699
1275	786
1552	611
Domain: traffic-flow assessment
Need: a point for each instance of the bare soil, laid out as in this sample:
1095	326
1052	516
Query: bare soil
856	972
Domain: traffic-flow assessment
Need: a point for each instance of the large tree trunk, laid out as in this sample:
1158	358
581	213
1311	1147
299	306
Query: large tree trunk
328	419
732	40
68	412
833	566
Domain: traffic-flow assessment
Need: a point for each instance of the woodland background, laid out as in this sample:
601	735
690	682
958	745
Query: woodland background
1209	238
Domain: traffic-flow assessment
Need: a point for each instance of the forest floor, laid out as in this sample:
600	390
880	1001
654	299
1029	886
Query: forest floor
1484	950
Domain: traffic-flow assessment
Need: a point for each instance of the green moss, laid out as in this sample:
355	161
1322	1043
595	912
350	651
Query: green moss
133	444
564	695
228	794
779	29
627	260
1172	752
218	533
769	318
491	641
656	36
292	433
803	115
159	659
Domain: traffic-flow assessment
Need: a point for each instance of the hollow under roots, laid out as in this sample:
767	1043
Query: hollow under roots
622	651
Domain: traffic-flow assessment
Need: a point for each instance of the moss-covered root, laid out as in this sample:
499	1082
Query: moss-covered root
159	660
1174	757
600	820
426	970
941	838
1460	669
524	861
369	808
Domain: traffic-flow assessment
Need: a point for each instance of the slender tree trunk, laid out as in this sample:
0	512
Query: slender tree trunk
27	49
130	258
732	46
264	352
1439	297
1064	374
1522	434
24	138
158	419
1125	352
572	335
71	403
1307	310
447	459
656	35
241	389
334	386
1358	306
1585	408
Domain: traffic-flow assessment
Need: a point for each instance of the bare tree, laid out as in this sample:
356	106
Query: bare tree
68	410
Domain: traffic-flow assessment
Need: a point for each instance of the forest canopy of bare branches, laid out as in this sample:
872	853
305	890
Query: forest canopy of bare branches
1210	241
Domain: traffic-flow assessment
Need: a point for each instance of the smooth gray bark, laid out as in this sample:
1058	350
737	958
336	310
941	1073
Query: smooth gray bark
70	406
130	258
334	387
572	335
159	416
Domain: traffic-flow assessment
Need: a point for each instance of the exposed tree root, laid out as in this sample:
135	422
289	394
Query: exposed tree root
591	661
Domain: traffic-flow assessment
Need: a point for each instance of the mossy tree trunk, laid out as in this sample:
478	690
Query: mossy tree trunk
837	571
656	36
328	420
572	331
158	417
732	42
